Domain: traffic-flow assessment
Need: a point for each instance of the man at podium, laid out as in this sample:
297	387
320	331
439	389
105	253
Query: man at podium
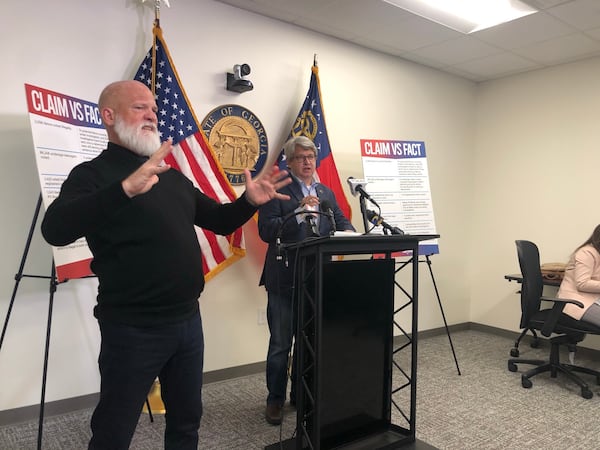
311	211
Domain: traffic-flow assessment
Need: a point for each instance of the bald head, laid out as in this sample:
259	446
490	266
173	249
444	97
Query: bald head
115	93
128	111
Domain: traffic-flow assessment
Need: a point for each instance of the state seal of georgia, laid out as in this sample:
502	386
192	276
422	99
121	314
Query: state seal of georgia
238	140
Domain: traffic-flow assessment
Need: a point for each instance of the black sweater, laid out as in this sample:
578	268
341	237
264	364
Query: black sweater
146	252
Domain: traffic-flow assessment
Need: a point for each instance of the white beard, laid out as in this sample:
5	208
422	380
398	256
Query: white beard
137	139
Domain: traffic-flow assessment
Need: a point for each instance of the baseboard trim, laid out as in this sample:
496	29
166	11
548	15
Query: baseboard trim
234	372
65	406
27	413
528	338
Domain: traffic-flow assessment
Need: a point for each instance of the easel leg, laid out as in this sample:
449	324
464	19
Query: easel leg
19	274
149	410
53	284
442	311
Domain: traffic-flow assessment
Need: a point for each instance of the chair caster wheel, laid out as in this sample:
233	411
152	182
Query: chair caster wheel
514	352
526	382
512	366
586	393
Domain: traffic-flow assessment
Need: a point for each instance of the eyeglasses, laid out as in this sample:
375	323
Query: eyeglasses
309	158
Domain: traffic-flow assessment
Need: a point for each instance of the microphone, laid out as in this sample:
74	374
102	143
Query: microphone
278	255
376	219
357	187
311	226
325	206
278	243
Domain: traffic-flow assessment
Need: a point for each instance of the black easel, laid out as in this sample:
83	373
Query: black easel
428	261
53	286
53	283
437	294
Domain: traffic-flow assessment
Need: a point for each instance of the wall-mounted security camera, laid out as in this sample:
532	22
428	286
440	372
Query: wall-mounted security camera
236	81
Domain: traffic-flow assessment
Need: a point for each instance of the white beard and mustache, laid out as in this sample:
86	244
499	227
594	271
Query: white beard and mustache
137	139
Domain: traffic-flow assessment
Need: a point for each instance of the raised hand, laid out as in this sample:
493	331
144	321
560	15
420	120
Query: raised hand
310	201
146	176
264	187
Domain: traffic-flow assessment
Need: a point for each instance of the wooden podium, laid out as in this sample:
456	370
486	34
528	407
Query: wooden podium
349	376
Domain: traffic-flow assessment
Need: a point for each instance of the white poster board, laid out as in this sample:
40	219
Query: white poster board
398	180
66	131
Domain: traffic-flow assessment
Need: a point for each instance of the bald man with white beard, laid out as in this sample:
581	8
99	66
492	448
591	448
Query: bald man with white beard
138	216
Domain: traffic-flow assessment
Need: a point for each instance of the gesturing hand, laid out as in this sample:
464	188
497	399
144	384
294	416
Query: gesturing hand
310	201
146	176
264	187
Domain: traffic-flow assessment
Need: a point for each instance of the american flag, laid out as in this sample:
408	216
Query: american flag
310	122
191	154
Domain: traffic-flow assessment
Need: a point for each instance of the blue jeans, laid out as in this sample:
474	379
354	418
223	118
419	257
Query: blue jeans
281	317
130	360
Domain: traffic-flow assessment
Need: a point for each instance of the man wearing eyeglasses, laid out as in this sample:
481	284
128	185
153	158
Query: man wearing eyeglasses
286	221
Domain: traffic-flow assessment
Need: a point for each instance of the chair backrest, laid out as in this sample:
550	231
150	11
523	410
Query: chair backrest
533	285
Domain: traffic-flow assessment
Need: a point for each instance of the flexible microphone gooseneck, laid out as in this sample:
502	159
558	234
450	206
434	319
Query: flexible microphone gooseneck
376	219
311	226
278	244
325	207
357	187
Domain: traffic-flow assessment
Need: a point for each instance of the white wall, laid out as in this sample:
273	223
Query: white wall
536	174
77	47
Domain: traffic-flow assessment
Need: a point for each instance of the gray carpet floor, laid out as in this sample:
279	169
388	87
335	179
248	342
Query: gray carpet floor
483	408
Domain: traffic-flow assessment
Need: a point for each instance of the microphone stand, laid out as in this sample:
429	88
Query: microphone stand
363	211
376	220
278	243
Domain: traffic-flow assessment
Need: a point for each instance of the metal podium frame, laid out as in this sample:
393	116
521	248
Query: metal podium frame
311	257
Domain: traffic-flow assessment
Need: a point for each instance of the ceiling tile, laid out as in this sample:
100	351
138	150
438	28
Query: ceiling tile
415	57
497	65
563	31
413	33
545	4
464	74
582	14
561	49
457	51
594	34
527	30
352	13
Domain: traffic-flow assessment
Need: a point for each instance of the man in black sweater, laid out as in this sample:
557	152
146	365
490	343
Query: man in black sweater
138	217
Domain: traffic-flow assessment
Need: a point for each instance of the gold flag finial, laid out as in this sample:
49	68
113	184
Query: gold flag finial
157	9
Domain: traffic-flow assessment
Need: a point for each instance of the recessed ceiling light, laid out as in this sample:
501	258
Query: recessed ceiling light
466	16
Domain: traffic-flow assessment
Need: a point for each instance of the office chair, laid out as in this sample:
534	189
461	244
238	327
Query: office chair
567	330
535	343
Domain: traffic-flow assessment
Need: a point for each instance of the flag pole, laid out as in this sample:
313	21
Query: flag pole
315	60
155	29
157	13
154	403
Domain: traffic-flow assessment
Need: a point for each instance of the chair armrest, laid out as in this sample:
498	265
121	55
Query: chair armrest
557	309
562	301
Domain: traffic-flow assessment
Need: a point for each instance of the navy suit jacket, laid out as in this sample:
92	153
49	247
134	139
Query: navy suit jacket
275	220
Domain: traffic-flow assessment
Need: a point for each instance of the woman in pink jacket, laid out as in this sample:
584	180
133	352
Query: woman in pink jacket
582	280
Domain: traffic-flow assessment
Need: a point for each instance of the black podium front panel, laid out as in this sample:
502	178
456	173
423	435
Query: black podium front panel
356	349
343	379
